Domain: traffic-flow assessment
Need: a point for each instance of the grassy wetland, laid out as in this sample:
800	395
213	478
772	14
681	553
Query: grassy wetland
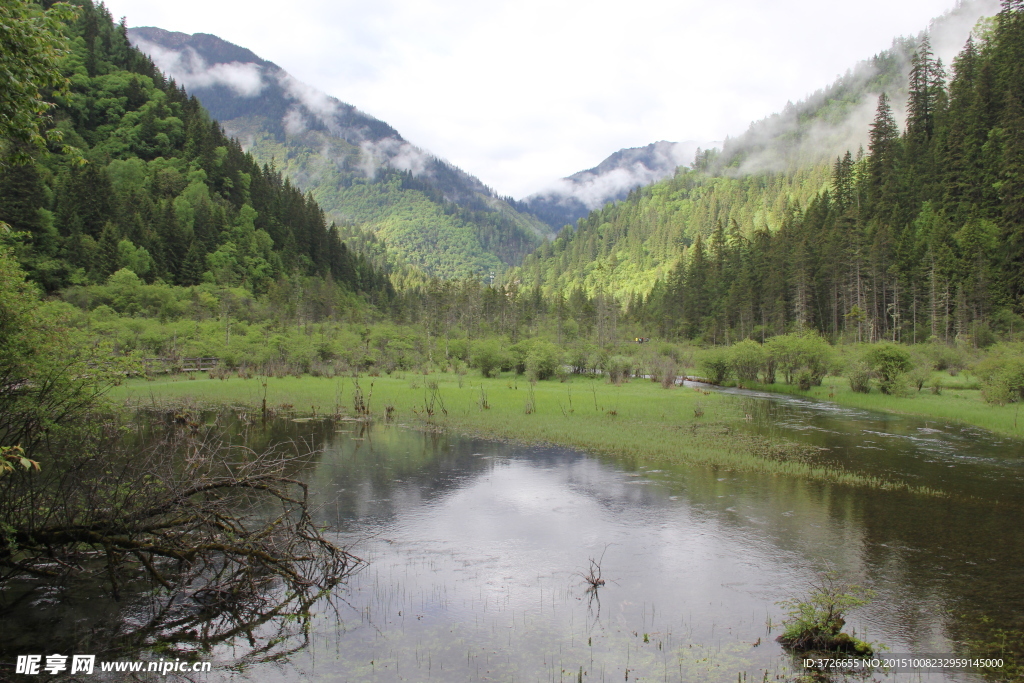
638	421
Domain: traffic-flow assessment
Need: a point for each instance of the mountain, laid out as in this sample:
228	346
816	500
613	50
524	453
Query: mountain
164	198
573	197
428	213
756	183
921	238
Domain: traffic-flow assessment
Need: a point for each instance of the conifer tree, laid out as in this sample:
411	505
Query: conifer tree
1011	191
883	150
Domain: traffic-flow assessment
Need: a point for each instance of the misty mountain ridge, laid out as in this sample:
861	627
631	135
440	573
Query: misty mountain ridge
251	96
233	83
836	119
573	197
359	168
815	130
321	143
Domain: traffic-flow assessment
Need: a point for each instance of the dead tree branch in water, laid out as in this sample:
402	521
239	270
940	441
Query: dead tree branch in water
593	575
196	513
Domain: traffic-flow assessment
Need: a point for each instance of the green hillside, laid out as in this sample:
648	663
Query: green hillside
921	239
157	189
419	227
432	217
624	249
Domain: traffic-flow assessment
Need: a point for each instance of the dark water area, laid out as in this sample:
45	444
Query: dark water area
476	553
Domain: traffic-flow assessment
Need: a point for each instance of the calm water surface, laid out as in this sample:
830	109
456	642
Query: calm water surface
476	552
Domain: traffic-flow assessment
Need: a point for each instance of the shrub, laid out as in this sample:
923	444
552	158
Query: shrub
1002	376
459	348
669	351
488	356
770	366
944	357
802	350
668	374
618	368
917	377
859	374
782	352
891	363
517	354
582	358
544	360
818	356
747	357
716	365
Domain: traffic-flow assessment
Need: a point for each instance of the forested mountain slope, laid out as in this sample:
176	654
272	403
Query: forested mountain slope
835	119
921	238
428	213
754	184
159	191
824	125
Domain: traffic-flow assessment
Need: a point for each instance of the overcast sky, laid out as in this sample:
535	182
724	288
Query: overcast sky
519	93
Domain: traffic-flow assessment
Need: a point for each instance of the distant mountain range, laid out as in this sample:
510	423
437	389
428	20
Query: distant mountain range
429	214
569	199
434	217
324	144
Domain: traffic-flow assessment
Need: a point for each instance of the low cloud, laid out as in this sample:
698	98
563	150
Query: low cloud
397	154
620	173
595	191
188	68
784	141
318	103
949	32
295	122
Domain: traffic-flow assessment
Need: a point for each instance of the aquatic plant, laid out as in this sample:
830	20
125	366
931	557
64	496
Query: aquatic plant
815	622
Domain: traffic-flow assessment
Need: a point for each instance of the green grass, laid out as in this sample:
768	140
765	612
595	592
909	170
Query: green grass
959	402
638	421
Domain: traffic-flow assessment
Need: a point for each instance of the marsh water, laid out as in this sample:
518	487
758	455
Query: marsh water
476	554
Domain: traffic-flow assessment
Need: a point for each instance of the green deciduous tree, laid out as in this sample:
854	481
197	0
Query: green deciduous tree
45	375
33	43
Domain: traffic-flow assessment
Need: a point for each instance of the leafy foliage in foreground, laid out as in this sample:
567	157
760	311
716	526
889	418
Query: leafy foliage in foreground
50	374
32	49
